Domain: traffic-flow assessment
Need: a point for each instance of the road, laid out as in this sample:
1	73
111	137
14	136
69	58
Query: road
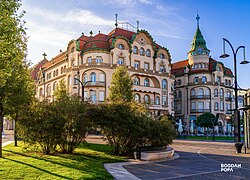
8	136
198	160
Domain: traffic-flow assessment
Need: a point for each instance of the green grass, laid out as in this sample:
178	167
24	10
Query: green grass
28	163
220	138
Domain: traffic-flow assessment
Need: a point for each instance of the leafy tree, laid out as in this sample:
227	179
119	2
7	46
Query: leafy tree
12	52
41	123
121	85
61	91
207	120
76	124
127	127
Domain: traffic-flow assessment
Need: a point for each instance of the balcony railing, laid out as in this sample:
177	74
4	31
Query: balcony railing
97	83
177	111
200	96
228	98
200	110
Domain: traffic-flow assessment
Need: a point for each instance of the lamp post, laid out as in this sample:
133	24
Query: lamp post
236	111
82	84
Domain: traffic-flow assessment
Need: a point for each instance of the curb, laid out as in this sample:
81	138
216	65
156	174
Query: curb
120	173
7	143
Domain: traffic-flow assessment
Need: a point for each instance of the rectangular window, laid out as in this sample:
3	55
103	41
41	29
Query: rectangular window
201	106
93	96
101	96
89	60
85	94
193	106
98	59
164	100
137	64
146	66
196	79
218	79
204	79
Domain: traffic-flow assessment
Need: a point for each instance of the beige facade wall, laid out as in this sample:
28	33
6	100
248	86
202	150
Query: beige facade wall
85	66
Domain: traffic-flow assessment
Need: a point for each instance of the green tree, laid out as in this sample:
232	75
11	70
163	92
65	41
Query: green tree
121	86
207	120
61	91
12	51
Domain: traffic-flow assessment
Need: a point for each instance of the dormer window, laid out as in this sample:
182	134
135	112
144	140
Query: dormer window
162	68
162	56
218	68
121	46
72	49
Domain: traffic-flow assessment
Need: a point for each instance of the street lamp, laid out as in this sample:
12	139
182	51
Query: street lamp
82	84
236	112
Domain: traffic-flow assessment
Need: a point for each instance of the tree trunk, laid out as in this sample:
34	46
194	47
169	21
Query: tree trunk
15	131
1	128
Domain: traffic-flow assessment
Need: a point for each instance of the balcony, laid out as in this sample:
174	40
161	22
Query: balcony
200	96
200	110
177	111
98	84
177	99
228	98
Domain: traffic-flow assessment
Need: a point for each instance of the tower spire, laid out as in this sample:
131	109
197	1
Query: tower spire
198	19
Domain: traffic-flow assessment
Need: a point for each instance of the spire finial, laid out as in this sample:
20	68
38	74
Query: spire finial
198	19
116	23
44	55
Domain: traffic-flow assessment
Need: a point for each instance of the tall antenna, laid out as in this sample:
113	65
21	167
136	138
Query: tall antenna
137	25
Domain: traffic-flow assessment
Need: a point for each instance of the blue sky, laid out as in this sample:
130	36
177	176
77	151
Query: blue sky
52	24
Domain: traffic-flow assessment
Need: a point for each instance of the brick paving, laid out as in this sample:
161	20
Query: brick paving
198	160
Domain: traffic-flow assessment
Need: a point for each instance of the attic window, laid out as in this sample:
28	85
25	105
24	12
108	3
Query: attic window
72	49
121	46
162	56
218	68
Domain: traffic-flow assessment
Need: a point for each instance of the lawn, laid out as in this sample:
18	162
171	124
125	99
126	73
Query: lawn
28	163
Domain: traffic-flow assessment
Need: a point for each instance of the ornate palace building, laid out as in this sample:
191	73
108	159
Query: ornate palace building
92	59
202	85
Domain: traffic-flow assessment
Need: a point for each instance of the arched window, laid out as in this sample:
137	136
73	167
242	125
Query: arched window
64	69
229	82
164	84
136	81
192	92
135	50
41	91
229	94
142	51
137	97
54	73
148	53
69	80
61	70
226	82
200	92
207	92
85	77
215	92
48	90
72	49
120	61
76	81
146	82
146	99
216	106
157	100
93	77
102	77
73	63
121	46
54	86
221	92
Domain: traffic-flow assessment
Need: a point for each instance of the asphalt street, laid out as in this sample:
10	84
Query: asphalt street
198	160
